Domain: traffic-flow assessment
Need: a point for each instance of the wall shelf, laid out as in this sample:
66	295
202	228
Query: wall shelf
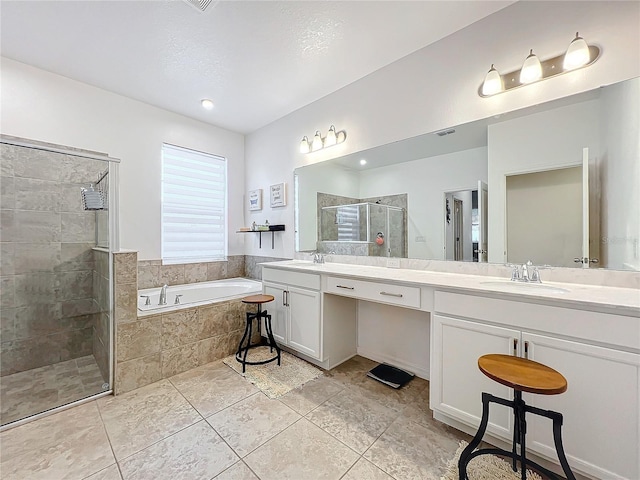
274	229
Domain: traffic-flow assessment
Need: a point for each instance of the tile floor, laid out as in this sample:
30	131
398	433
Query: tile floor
33	391
210	423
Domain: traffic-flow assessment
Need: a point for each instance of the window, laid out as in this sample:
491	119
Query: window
194	206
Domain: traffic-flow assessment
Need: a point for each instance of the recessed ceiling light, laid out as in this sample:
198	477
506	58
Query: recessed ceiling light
363	162
206	103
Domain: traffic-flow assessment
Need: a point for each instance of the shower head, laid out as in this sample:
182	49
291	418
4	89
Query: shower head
92	199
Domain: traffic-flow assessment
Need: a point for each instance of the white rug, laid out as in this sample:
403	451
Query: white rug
272	379
485	467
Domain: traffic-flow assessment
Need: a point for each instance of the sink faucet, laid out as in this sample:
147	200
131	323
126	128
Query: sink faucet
318	258
163	295
527	272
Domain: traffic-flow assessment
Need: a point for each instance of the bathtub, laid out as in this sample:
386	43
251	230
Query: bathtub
195	294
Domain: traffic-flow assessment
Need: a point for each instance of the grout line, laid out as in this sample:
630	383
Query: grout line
106	432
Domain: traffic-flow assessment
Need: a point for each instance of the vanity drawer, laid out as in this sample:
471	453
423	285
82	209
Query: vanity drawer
402	295
296	279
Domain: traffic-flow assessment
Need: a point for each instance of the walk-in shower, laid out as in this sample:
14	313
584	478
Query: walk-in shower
363	229
55	272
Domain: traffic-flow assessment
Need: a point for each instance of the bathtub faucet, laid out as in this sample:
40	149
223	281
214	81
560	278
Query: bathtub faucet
163	295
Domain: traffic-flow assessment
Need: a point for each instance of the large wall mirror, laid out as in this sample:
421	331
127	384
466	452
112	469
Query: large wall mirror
556	183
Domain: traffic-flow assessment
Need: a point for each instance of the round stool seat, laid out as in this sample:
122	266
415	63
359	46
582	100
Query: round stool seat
522	374
257	299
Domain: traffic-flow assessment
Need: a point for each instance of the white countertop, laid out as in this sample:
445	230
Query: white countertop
620	301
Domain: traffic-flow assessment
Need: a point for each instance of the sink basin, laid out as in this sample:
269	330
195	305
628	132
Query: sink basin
508	285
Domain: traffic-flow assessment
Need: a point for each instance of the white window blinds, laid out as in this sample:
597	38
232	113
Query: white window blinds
194	206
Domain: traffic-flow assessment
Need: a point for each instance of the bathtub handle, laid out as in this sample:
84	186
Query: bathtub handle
177	300
147	301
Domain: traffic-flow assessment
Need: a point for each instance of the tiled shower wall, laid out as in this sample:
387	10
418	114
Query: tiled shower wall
46	273
101	330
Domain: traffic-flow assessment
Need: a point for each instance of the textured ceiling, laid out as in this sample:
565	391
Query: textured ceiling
257	60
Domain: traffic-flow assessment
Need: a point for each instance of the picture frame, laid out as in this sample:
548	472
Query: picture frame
255	199
278	195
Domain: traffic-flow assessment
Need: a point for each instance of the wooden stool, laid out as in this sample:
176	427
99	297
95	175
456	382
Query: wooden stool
243	350
522	375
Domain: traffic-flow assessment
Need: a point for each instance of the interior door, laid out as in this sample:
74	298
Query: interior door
483	202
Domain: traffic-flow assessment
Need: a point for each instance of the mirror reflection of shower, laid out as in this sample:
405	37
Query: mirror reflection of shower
349	226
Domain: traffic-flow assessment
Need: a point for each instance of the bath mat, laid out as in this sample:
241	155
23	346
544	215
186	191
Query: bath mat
485	467
272	379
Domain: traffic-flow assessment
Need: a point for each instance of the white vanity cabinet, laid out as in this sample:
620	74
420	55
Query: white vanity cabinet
295	313
601	406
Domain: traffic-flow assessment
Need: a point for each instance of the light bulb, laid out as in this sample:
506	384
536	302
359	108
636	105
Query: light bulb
363	162
577	54
304	145
531	69
331	138
317	142
492	82
206	103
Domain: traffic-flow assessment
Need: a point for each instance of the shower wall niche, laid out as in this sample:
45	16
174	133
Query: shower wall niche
55	294
370	226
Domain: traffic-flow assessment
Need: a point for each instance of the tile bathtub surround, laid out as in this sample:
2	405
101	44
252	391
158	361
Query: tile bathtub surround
47	265
252	266
159	346
152	274
201	424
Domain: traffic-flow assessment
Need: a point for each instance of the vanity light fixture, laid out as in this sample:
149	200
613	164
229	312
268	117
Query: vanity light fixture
207	104
318	143
531	70
578	55
304	145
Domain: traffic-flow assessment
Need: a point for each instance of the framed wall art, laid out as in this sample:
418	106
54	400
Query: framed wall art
255	199
278	195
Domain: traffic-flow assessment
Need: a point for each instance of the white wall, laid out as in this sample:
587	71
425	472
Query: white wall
42	106
436	87
426	181
620	174
534	143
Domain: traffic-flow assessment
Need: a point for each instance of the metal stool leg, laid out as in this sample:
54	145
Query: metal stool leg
272	341
246	350
465	456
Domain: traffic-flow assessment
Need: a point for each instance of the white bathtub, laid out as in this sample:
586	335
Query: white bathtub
195	294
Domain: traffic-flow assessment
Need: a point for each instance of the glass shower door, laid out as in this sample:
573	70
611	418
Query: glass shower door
56	289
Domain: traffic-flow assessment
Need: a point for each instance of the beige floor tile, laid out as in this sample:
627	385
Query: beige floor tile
414	391
239	471
302	451
353	419
365	470
251	422
410	451
352	370
195	453
311	394
142	417
109	473
68	445
212	387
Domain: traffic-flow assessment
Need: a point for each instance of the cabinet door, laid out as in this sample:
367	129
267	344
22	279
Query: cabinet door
601	407
304	321
278	311
457	383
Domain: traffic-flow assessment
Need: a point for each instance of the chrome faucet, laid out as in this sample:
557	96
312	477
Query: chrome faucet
163	295
318	258
527	272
